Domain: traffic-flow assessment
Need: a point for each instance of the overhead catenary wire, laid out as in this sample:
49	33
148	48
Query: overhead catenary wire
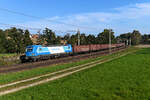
37	17
20	26
31	28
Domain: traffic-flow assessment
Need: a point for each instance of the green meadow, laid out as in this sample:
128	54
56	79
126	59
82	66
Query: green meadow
126	78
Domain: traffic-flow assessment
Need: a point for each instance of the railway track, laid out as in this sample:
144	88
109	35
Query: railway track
27	66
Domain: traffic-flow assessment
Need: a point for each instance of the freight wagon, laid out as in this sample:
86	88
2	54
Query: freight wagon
94	47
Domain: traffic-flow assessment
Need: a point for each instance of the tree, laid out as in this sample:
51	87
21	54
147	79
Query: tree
91	39
19	37
2	42
50	36
136	37
27	39
67	37
83	39
41	40
124	37
58	40
145	39
10	46
15	36
73	40
103	38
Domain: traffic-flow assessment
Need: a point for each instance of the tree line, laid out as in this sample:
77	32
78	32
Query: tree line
135	37
102	38
15	40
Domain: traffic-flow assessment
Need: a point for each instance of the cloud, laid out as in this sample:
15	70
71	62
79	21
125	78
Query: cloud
100	20
134	11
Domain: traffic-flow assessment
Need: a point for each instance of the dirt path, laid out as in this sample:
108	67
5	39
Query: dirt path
143	46
57	76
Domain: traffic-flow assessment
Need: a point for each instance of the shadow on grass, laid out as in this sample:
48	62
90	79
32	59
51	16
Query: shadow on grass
143	51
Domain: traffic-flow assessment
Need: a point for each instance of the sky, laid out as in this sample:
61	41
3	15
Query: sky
89	16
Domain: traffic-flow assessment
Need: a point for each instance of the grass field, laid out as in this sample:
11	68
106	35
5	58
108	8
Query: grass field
11	77
8	55
127	78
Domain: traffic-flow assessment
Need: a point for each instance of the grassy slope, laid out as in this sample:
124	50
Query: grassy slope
10	77
127	78
4	57
5	78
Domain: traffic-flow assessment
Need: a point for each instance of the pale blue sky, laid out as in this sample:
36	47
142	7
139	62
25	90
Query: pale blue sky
120	15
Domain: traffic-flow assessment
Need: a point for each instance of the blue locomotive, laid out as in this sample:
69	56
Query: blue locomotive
38	52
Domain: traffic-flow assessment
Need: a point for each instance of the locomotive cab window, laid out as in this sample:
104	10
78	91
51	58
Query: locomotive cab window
29	49
40	49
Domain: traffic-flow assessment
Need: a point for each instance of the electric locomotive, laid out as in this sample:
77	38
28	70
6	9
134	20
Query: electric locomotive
39	52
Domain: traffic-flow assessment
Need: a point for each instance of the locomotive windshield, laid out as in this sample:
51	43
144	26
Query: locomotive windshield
29	49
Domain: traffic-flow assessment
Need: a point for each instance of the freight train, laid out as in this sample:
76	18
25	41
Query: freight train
39	52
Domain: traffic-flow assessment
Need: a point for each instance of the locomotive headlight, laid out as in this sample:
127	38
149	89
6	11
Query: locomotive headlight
33	54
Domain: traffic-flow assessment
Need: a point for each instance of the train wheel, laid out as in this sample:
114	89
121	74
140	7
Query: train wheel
34	60
23	61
